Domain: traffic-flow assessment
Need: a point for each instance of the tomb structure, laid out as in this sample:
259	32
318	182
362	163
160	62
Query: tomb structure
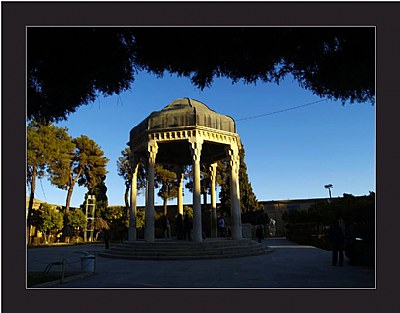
185	132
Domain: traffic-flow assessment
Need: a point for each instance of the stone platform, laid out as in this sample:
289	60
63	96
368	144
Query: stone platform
185	250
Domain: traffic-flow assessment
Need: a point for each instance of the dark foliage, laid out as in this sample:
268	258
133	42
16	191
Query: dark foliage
118	221
311	226
69	67
255	217
334	62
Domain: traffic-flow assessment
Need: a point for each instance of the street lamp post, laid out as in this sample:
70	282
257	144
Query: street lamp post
329	188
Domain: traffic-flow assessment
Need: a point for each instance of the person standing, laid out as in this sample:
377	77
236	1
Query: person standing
187	227
179	226
221	225
259	233
167	227
107	238
337	239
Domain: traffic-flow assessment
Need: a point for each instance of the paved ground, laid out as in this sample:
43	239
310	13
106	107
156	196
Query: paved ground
287	265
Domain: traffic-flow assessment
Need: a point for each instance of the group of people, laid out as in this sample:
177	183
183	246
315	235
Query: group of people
184	226
342	242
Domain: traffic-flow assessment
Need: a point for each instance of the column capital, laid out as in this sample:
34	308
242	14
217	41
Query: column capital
152	149
213	170
234	158
196	145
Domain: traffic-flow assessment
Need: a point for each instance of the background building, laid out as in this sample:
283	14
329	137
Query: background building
275	210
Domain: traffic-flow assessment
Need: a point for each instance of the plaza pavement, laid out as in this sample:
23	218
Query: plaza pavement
286	265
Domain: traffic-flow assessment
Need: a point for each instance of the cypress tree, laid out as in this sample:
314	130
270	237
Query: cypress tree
251	210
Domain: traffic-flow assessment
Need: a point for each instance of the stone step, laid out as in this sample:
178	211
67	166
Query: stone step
184	252
208	242
178	250
181	257
185	245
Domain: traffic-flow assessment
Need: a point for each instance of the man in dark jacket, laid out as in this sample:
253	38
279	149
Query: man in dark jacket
337	239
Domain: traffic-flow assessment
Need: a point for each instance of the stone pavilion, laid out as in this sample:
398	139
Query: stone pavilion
185	132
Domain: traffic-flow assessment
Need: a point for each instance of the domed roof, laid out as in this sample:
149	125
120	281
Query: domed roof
185	112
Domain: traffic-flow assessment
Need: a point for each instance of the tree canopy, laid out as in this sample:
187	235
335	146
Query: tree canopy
47	218
167	181
70	67
86	166
46	144
77	219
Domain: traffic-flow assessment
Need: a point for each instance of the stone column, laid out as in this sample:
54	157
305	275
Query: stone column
196	145
180	176
213	170
132	215
235	194
152	149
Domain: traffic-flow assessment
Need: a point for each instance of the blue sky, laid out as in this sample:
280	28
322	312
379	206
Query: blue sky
289	155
